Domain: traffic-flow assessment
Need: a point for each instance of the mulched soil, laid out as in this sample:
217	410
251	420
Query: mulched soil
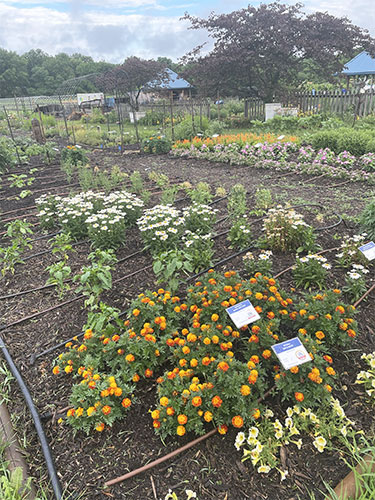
213	468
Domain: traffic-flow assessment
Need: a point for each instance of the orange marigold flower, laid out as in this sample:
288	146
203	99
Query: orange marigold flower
180	430
222	429
126	402
256	413
129	358
320	335
56	370
214	317
193	363
343	326
106	410
156	424
270	315
155	414
100	427
340	309
237	421
170	411
68	369
148	373
294	369
118	391
196	401
223	366
336	290
255	329
328	388
299	396
164	401
136	377
330	371
182	419
136	312
206	361
88	334
208	416
216	401
266	354
351	332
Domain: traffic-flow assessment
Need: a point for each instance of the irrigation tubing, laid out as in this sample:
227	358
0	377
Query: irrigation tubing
172	453
37	422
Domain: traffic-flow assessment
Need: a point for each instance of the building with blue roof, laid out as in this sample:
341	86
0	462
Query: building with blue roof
172	85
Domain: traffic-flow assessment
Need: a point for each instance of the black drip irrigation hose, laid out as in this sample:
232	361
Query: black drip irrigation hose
37	422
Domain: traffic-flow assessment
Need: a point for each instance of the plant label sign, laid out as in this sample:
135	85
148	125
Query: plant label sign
242	313
291	353
368	250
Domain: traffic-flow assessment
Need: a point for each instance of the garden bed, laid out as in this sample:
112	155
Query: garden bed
213	468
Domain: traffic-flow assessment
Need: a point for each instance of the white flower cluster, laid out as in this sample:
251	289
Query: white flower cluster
161	223
199	217
349	247
189	238
288	216
76	214
367	377
357	272
314	257
265	255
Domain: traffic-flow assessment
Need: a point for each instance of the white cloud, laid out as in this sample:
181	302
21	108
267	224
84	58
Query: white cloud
102	35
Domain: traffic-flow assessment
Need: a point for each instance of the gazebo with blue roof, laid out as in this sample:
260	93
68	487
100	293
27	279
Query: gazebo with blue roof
361	65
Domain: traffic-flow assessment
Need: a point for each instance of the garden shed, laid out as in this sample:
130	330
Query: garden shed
172	86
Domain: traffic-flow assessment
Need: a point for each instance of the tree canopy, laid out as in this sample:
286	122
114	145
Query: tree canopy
261	50
37	73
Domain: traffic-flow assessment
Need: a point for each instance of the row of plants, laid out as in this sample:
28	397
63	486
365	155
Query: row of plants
284	157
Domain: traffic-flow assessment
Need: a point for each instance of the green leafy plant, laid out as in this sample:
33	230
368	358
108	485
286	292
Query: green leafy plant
355	282
156	145
20	181
240	233
201	193
136	181
18	231
311	271
59	273
94	279
237	201
263	201
168	266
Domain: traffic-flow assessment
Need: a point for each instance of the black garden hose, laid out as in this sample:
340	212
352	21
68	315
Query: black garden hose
37	422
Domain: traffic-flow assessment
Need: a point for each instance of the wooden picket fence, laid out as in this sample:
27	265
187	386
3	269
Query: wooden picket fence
336	101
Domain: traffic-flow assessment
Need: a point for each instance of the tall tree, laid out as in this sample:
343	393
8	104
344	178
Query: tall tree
259	51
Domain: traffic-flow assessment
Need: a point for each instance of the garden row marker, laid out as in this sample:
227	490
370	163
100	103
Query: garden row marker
243	313
291	353
368	250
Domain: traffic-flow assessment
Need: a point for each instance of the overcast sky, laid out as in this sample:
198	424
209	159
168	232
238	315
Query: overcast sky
112	30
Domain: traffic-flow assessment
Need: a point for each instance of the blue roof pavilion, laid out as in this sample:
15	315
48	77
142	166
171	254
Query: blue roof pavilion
362	64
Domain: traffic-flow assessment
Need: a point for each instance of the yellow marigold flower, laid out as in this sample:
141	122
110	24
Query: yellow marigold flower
222	429
68	369
256	413
208	416
56	370
245	390
79	412
196	401
136	312
206	341
100	427
90	411
164	401
180	430
170	411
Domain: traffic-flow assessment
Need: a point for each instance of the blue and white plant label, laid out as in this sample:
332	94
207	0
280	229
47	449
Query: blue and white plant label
242	313
291	353
368	250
